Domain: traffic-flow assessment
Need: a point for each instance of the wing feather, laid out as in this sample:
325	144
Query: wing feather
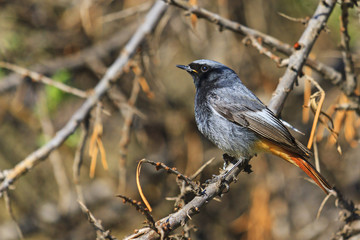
257	117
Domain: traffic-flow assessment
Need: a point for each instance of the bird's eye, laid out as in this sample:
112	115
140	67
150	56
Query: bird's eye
204	68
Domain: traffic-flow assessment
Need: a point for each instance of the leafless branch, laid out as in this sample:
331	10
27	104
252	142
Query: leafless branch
345	47
215	188
303	21
114	71
78	59
78	159
101	233
36	77
298	58
11	213
126	12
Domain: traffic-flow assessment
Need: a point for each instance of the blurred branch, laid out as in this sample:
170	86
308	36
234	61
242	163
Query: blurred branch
11	213
55	157
99	50
349	215
78	159
114	71
36	77
345	46
256	43
101	233
126	12
125	133
298	58
303	21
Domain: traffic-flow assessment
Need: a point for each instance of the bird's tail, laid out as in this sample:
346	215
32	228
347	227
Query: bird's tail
301	163
312	172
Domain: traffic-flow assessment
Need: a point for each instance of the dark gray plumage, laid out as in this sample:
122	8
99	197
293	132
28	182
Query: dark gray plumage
236	121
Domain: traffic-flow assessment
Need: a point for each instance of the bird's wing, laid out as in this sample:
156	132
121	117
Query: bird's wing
251	113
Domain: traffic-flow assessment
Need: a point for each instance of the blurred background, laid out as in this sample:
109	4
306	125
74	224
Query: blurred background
75	41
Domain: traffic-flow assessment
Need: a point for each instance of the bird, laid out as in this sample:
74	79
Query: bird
239	123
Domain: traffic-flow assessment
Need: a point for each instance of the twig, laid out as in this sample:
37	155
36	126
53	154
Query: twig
347	107
350	75
320	92
256	43
96	51
303	21
174	171
101	233
139	208
192	177
298	58
11	213
55	157
78	159
125	131
350	215
36	77
115	70
126	12
215	188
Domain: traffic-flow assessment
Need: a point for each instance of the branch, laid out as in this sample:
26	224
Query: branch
298	59
215	188
115	70
78	59
350	76
101	233
36	77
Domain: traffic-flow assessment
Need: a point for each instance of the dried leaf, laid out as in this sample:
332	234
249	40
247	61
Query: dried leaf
349	128
145	87
193	17
93	156
316	118
102	153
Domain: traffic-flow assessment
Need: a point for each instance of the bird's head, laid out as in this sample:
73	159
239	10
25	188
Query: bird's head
209	73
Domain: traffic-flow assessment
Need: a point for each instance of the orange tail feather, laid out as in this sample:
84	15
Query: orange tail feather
297	161
313	173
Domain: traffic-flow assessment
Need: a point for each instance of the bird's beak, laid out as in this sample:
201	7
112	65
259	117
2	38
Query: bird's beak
186	68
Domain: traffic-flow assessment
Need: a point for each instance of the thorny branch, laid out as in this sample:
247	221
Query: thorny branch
114	71
101	233
214	188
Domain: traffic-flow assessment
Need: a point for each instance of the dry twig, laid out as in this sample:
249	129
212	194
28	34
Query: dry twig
101	233
36	77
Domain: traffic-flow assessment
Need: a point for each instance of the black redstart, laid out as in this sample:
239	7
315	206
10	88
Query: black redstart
236	121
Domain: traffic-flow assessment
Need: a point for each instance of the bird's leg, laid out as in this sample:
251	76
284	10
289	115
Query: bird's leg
237	164
227	159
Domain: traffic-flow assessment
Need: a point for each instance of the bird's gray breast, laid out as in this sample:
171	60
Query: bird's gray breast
233	139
